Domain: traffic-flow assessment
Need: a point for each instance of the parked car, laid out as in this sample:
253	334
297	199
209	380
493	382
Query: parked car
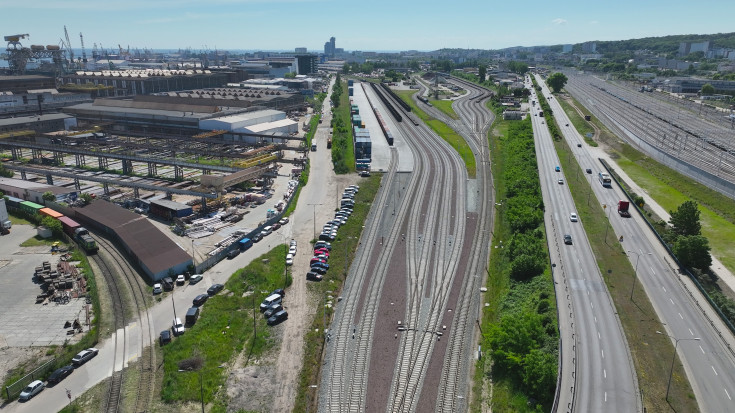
364	174
276	226
320	264
323	244
319	270
214	289
283	221
165	337
195	279
280	291
168	284
313	276
200	299
60	374
289	259
234	253
293	243
180	280
84	356
178	327
292	250
32	389
272	310
257	237
157	289
278	317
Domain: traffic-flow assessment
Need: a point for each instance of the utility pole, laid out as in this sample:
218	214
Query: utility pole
314	206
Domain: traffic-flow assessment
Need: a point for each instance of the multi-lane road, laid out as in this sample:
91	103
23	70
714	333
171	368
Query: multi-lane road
708	361
603	375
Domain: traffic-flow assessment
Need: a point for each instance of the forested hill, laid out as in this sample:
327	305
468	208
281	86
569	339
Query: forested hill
666	44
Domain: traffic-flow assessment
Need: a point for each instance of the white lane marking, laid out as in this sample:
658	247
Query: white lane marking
728	394
700	347
598	336
654	272
664	288
606	396
595	319
672	301
681	316
592	305
604	373
603	353
713	369
691	332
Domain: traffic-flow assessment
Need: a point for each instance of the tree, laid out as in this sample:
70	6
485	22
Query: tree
685	220
53	224
4	172
482	72
87	198
693	251
708	90
290	75
48	196
557	81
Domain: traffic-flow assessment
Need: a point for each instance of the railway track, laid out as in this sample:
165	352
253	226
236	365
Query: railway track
120	274
680	134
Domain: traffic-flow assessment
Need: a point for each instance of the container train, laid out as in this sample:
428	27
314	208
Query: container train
71	228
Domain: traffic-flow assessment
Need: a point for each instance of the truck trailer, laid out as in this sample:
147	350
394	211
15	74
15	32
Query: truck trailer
623	207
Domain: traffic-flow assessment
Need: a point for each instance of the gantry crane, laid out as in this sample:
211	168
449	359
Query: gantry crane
84	52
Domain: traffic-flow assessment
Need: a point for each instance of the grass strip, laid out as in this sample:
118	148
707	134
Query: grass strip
446	107
454	139
651	352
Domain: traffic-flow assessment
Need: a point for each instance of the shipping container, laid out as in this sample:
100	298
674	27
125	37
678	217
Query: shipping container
51	213
13	202
30	207
245	243
69	225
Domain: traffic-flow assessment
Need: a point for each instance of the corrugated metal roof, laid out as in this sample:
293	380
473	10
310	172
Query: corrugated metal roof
173	205
153	249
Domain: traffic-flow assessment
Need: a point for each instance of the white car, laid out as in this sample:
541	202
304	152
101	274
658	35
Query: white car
84	356
157	289
560	182
292	250
573	217
31	390
289	259
178	327
180	280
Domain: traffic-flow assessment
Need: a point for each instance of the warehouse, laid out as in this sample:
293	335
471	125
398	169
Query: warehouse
33	191
153	251
169	210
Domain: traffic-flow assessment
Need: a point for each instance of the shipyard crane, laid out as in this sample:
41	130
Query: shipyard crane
68	47
84	52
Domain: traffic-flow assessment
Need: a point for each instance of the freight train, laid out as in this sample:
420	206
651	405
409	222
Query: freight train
75	231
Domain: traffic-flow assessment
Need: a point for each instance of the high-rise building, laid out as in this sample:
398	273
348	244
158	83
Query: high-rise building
306	63
329	47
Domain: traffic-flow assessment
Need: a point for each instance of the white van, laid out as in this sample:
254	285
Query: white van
267	230
269	301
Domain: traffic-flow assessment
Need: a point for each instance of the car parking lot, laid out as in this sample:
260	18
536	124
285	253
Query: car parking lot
22	321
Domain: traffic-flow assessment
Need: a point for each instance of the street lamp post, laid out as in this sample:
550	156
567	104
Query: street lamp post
201	385
635	272
673	358
314	207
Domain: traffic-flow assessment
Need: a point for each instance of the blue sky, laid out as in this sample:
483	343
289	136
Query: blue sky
364	25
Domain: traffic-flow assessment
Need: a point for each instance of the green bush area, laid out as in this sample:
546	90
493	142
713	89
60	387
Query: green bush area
229	323
519	325
343	152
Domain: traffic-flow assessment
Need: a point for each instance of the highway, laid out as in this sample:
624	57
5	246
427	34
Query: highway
707	360
402	335
603	371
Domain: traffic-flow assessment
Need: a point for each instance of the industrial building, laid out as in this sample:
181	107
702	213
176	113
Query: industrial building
33	191
168	210
692	85
155	253
38	123
36	101
232	96
260	122
141	82
24	83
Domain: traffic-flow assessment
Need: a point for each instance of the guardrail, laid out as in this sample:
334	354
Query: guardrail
681	268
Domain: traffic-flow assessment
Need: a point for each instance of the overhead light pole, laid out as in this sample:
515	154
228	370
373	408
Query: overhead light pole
635	272
673	358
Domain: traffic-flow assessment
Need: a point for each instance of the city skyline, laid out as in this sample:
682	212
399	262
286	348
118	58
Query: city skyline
385	26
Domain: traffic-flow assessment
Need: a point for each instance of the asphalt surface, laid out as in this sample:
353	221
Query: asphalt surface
605	379
705	355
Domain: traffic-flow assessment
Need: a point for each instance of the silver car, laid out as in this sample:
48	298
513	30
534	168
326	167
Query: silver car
31	390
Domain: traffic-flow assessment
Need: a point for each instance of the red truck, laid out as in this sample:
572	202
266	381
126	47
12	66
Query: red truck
623	209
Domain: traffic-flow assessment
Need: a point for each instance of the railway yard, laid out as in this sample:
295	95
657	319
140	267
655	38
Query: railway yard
404	333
